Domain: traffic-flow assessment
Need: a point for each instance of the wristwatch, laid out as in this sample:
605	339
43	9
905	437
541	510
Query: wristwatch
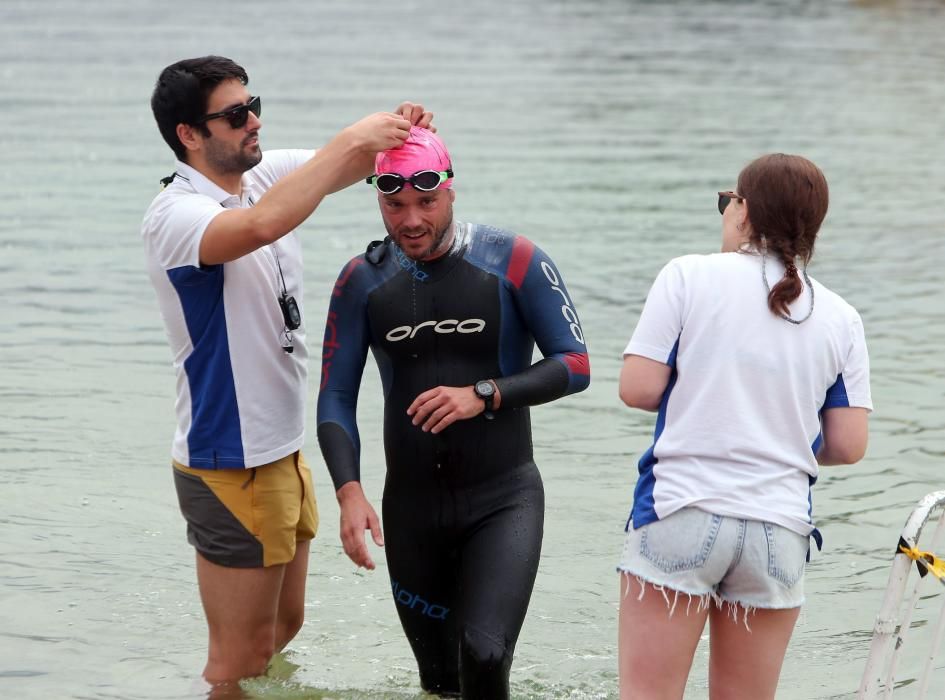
485	390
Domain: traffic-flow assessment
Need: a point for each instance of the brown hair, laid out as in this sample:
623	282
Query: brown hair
787	201
182	91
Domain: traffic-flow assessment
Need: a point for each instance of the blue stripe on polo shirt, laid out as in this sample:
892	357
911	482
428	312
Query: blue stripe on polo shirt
214	440
836	398
818	442
811	480
814	533
837	395
644	509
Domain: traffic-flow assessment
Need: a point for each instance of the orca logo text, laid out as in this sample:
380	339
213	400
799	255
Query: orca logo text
450	325
566	309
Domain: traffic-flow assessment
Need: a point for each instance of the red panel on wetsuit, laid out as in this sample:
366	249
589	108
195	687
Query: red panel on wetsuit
578	362
343	279
522	250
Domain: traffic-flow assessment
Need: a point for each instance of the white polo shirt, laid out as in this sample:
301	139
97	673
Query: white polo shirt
739	424
240	396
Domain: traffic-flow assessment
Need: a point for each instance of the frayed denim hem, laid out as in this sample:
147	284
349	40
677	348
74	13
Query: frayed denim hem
734	608
746	609
763	606
704	599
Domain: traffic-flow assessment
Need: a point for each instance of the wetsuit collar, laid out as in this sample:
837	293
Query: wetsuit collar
436	269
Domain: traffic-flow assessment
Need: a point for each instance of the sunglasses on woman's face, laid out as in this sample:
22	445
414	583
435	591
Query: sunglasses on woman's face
725	198
425	181
236	116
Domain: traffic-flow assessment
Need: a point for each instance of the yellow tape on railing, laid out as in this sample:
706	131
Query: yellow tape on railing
925	561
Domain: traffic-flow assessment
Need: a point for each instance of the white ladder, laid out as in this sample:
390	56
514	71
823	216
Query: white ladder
894	621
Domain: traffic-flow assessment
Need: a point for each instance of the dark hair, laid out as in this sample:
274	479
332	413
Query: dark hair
787	202
183	90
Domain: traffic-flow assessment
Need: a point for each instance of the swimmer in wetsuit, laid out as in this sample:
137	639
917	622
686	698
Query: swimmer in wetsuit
452	312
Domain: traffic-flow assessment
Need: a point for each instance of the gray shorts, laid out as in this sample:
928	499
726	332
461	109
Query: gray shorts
752	563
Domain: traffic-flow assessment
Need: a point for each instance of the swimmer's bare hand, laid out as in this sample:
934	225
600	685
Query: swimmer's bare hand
378	132
357	515
437	409
416	115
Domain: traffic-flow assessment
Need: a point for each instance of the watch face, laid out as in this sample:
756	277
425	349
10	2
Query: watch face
485	389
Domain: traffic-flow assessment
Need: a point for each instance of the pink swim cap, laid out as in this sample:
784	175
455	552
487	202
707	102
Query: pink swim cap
423	150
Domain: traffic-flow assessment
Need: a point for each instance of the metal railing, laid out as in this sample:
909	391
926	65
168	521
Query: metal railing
894	622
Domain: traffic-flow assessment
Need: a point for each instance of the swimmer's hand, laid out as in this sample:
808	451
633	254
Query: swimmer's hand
437	409
357	515
416	115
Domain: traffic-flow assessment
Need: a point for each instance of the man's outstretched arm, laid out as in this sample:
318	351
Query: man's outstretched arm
348	157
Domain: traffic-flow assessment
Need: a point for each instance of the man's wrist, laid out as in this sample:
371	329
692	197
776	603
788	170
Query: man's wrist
485	389
348	491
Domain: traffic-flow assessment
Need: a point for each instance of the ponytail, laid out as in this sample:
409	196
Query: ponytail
786	290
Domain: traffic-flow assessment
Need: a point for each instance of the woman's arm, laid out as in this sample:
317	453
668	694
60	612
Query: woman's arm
643	382
844	431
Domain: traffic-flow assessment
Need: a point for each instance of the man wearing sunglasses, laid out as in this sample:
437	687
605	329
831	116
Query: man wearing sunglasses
451	312
227	269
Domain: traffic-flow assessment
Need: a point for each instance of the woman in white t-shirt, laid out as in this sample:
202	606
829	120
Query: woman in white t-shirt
758	374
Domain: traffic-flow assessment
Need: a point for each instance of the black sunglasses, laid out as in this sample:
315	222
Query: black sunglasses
236	116
425	181
725	198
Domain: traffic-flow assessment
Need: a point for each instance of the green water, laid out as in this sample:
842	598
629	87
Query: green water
600	129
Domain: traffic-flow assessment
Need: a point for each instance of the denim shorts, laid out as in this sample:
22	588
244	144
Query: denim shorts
749	562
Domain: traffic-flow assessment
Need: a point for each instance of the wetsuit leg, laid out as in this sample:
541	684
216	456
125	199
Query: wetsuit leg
498	565
422	561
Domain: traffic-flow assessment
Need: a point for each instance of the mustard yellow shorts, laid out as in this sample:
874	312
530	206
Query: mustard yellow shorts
248	517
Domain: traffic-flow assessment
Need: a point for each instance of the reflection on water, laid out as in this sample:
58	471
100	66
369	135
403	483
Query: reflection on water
600	129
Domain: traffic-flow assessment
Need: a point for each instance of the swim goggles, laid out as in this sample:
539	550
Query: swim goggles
237	116
425	181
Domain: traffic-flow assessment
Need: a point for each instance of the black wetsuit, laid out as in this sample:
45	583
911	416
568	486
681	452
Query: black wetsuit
463	510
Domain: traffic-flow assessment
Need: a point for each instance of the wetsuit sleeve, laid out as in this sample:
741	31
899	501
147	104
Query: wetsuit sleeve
344	351
548	312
